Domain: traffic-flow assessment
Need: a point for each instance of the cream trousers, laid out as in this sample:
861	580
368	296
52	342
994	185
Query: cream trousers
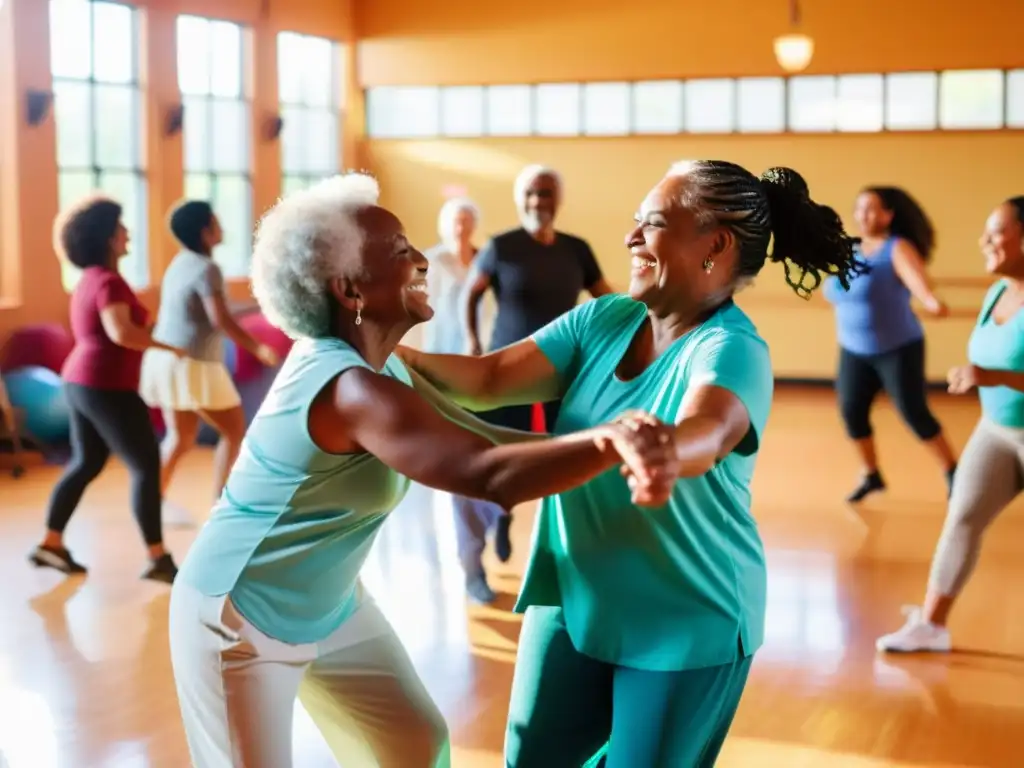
989	476
237	689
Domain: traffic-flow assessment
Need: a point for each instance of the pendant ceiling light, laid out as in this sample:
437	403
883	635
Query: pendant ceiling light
795	50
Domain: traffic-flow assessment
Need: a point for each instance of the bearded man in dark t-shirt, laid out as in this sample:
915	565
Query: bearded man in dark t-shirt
536	274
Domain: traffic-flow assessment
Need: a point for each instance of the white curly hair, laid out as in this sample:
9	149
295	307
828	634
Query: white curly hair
305	240
446	218
530	174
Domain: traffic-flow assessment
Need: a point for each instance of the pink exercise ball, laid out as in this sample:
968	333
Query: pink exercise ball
256	325
46	345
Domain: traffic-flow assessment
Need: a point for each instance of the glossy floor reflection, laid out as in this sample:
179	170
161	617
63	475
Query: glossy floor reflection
85	678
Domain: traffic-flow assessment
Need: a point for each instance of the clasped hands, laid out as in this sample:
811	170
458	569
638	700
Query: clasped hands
647	447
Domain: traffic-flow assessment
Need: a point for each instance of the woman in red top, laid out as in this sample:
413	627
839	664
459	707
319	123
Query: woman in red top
101	382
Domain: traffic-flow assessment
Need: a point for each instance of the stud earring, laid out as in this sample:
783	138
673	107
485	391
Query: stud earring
359	315
709	264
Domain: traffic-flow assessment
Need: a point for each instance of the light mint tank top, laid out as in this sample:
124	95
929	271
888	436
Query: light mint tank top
294	524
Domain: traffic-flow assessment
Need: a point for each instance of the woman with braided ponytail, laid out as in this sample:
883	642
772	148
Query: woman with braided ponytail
640	628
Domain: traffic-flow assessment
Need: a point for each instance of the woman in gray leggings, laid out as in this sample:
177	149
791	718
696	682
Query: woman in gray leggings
991	471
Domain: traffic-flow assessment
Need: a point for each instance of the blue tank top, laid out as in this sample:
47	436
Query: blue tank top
874	316
294	524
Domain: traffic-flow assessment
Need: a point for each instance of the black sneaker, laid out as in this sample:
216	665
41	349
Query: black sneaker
870	484
502	542
162	569
57	558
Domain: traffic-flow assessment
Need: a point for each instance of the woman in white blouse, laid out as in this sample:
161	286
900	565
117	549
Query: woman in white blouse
451	263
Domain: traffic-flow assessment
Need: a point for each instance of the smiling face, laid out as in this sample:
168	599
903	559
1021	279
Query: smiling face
540	203
873	220
1002	243
119	242
669	247
393	290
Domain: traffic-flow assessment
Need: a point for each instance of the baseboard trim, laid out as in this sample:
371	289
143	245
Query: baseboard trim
827	383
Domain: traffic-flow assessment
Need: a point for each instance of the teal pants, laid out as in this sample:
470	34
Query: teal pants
570	711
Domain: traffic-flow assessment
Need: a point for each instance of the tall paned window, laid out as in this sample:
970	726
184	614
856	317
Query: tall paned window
309	88
94	57
218	157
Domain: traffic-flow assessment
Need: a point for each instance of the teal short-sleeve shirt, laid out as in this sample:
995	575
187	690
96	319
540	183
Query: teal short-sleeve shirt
672	588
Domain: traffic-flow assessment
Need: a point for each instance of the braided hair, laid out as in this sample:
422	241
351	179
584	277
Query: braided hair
809	239
909	220
1017	203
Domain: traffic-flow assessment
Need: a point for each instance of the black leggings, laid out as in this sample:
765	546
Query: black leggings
105	420
901	374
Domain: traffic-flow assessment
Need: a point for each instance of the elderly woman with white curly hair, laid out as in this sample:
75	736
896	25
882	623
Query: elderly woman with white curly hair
269	598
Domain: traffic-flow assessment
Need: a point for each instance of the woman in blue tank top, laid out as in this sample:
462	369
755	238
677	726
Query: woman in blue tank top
881	341
991	471
268	599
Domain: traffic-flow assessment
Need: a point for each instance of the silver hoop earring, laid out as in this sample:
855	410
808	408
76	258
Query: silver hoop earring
709	264
359	315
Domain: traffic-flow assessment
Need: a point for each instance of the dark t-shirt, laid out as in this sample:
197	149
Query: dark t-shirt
534	283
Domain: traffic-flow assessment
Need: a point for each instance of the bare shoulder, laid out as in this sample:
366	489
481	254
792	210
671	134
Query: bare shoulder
904	249
356	386
354	399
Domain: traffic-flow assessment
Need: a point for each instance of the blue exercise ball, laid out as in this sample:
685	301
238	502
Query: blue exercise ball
39	393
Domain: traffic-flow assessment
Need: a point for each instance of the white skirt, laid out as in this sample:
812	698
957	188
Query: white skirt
183	384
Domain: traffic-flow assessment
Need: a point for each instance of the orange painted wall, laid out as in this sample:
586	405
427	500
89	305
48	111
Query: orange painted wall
30	285
958	176
406	42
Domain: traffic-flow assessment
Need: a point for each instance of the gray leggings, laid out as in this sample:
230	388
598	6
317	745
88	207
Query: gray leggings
989	475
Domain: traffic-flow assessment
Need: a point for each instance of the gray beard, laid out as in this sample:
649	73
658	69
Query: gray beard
531	222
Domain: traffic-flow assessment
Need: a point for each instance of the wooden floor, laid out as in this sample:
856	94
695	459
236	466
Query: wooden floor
85	680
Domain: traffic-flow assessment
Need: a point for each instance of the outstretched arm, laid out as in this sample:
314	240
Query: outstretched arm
519	374
220	315
534	370
391	421
724	411
911	270
713	423
494	434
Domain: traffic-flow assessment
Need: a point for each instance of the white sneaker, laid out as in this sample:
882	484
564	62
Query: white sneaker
915	636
